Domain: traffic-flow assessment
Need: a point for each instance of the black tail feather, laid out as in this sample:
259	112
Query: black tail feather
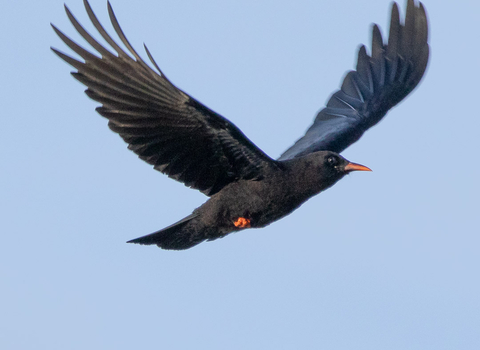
180	235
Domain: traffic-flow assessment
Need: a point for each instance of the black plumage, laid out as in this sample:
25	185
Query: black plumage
192	144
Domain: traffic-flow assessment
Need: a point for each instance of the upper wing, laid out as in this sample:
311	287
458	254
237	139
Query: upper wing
163	125
381	81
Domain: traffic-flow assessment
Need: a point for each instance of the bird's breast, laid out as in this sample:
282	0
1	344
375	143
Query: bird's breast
252	204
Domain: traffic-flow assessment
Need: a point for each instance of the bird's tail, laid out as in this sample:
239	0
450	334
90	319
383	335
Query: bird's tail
181	235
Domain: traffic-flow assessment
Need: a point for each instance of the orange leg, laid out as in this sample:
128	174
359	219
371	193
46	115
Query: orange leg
242	222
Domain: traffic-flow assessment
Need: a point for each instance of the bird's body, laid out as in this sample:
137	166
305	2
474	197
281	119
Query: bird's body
257	203
190	143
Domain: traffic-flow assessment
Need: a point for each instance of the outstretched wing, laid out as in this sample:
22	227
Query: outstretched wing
163	125
381	81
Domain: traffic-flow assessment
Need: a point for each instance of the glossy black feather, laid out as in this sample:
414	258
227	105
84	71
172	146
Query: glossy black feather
380	81
163	125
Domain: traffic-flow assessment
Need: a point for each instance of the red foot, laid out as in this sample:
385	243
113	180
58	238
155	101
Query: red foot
242	222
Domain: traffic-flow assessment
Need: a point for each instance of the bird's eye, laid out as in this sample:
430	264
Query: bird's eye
332	161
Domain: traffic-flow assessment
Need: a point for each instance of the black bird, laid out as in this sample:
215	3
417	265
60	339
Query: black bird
192	144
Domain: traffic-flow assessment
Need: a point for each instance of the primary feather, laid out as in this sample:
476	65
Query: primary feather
380	81
163	125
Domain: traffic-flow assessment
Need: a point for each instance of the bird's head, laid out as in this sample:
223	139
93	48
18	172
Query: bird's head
323	169
335	165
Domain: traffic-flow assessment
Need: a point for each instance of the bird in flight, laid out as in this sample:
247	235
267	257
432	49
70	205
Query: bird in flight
191	143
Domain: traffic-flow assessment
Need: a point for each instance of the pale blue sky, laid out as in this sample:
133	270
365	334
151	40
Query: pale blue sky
383	260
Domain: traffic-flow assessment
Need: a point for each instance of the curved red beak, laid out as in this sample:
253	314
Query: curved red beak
356	167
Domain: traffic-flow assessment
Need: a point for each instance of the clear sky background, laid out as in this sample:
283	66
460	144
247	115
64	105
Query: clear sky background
383	260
